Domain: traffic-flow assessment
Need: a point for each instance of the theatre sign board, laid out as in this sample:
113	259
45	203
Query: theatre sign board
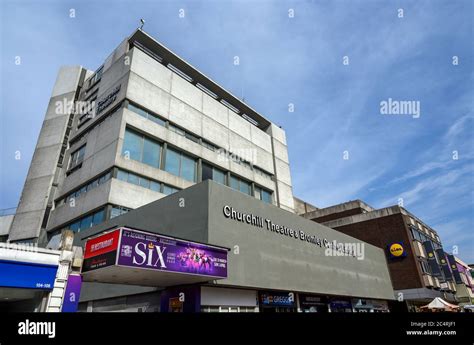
137	257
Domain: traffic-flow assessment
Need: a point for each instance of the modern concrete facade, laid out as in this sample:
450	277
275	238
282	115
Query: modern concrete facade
286	258
186	128
419	269
43	179
465	287
302	207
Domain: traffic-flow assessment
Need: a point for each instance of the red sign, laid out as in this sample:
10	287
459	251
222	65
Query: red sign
102	244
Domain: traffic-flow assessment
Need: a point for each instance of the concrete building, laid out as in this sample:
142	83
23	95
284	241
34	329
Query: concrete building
149	149
6	220
261	258
144	125
464	283
302	207
419	267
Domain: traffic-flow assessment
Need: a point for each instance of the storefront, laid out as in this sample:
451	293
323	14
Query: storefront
27	276
340	305
224	252
313	304
277	302
361	305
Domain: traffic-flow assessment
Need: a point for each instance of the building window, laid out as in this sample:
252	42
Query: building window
425	268
145	182
262	172
416	235
209	146
240	185
234	183
97	76
77	157
91	185
192	137
132	145
167	190
146	115
175	129
151	153
181	165
263	195
117	211
267	196
141	148
155	186
212	173
218	176
87	221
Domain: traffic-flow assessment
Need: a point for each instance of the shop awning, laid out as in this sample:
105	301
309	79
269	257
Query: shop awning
129	256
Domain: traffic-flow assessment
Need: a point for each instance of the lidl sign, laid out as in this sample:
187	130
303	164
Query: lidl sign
397	250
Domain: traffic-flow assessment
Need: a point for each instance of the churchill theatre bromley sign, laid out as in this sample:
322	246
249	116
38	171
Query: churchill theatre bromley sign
269	225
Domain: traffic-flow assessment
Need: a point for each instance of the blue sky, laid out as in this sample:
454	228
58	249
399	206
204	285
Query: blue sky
286	60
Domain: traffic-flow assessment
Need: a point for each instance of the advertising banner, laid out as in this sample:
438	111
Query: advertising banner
72	293
102	244
444	264
151	251
101	251
432	261
454	269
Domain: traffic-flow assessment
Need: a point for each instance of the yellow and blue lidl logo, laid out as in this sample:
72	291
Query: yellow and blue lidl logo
396	250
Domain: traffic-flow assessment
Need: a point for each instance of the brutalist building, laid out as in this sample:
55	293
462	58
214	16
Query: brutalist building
181	196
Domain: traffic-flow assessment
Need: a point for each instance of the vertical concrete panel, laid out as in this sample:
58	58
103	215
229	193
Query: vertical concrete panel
36	191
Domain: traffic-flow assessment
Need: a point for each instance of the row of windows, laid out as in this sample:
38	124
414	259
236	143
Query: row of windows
418	235
76	160
192	137
84	189
145	182
143	149
146	115
94	218
88	221
212	173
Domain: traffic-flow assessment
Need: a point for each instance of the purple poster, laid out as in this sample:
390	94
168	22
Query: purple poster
145	250
72	293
